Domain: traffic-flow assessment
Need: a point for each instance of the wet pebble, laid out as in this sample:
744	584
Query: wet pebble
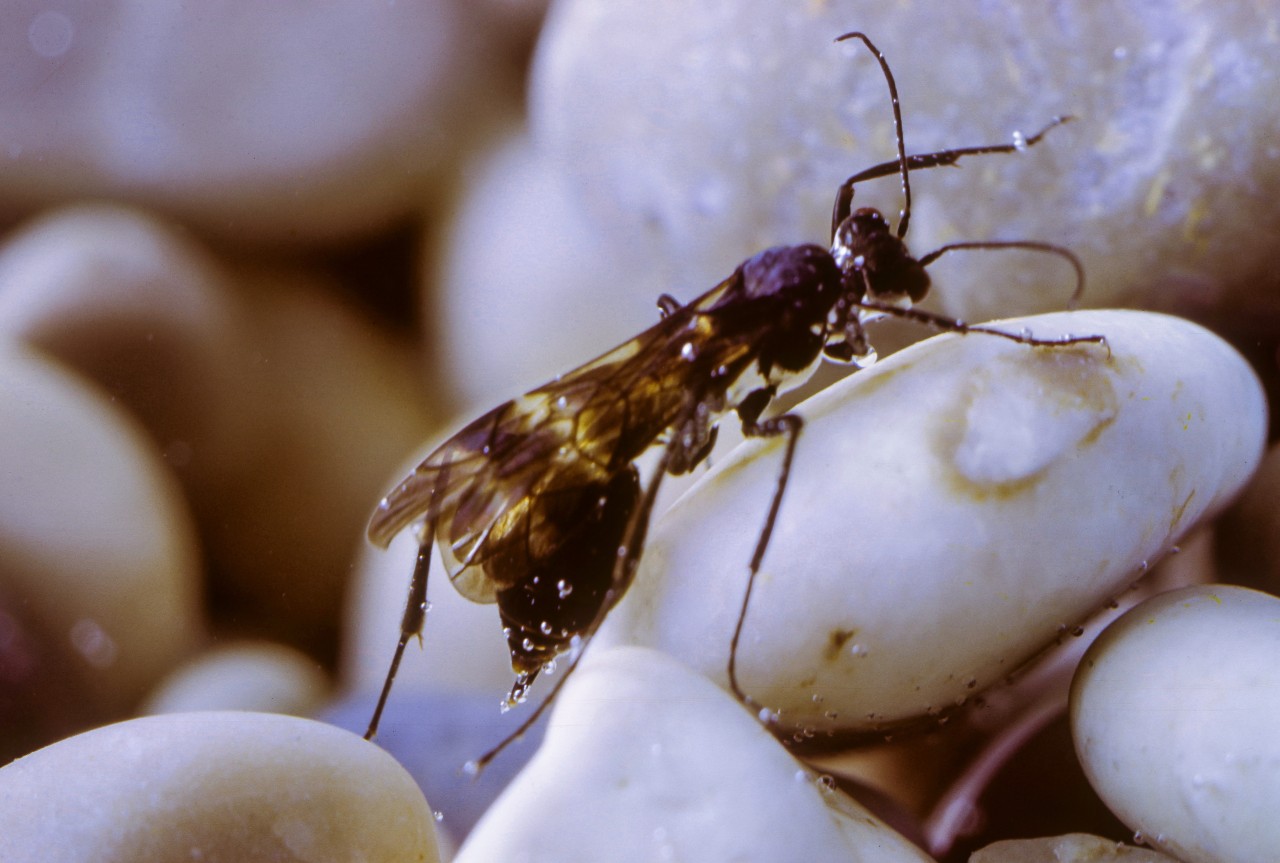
248	675
213	786
645	760
721	129
950	513
1173	713
1071	848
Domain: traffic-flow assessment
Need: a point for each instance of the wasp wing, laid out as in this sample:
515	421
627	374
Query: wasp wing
505	492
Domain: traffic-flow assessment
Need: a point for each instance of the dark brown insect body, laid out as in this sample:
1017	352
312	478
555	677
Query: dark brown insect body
538	505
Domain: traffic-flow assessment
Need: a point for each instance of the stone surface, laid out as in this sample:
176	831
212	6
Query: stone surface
645	760
1072	848
1173	712
280	124
248	675
713	131
950	512
526	284
95	539
213	786
278	406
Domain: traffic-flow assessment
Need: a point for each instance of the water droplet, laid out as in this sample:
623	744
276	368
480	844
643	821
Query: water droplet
93	643
549	667
767	716
527	644
1019	140
545	627
688	352
437	814
1139	838
562	403
563	588
471	768
826	783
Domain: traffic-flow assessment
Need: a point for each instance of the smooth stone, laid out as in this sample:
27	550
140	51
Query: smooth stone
336	404
554	294
95	538
1071	848
951	512
718	130
1173	712
280	407
247	675
134	304
213	786
645	760
266	127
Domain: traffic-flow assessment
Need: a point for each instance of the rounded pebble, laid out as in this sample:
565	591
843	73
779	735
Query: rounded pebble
526	285
262	125
95	537
726	127
1173	712
951	512
645	760
1072	848
250	675
213	786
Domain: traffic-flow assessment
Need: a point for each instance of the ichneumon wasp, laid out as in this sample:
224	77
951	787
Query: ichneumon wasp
538	506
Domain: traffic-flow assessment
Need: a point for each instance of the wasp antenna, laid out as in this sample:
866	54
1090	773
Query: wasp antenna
905	216
1032	245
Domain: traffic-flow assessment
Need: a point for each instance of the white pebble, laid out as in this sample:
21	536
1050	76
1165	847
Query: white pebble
950	511
721	128
1174	716
646	761
246	675
213	786
1072	848
96	538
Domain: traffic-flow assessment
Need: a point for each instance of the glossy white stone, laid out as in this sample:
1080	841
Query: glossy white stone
645	760
242	675
213	786
1174	716
718	129
1071	848
951	510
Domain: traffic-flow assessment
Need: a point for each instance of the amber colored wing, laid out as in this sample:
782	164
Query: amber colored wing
502	492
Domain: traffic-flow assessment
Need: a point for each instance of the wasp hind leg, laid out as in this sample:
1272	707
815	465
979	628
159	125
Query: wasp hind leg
411	623
788	425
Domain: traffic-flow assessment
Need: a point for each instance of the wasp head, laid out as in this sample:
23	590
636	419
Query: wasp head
875	264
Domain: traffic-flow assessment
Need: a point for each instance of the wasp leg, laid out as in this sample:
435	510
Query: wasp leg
415	615
789	425
942	322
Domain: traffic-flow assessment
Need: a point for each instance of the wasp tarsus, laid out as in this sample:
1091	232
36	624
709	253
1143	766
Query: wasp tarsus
538	505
